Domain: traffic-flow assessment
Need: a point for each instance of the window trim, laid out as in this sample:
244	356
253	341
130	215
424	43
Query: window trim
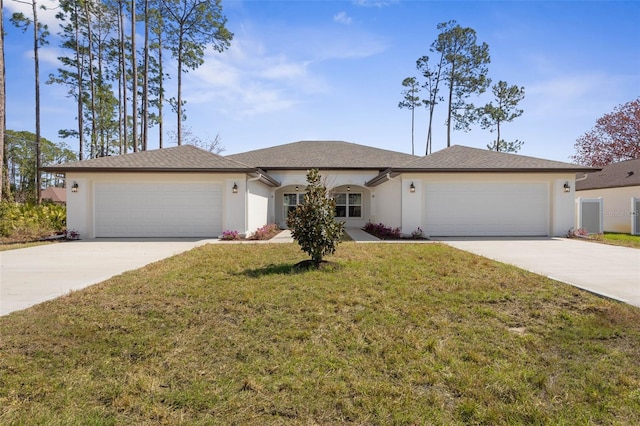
285	206
347	205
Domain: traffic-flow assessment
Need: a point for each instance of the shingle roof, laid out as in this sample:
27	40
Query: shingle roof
179	158
185	158
323	155
624	173
463	158
57	195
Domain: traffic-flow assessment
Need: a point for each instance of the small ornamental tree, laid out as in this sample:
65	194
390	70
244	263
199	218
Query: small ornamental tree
313	223
615	137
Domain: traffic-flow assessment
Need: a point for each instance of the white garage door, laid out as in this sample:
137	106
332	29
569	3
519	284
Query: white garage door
159	209
487	209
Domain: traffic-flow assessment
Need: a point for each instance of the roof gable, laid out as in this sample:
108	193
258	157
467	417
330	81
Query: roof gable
621	174
463	158
179	158
55	194
323	155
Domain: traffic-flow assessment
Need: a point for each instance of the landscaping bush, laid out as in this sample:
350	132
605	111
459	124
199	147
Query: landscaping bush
266	232
383	232
230	236
418	234
313	223
26	222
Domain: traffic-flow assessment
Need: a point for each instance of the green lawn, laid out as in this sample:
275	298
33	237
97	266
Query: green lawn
614	239
626	240
393	334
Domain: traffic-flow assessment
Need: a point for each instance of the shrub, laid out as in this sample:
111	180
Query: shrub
266	232
581	232
381	231
24	222
230	236
71	234
418	234
313	223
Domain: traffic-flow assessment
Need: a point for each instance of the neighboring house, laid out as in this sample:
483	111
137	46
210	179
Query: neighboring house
187	192
54	194
618	185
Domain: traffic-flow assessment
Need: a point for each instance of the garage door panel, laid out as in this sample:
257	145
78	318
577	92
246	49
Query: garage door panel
486	209
159	209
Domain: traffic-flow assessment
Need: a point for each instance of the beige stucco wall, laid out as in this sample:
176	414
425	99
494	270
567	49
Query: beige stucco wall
334	180
259	206
616	206
387	203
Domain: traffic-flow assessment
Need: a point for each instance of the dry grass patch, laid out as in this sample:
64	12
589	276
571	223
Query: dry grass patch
16	246
395	334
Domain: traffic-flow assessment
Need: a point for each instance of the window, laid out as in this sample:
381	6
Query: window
348	205
291	201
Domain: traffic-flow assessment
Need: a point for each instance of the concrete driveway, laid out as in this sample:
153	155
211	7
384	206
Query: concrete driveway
607	270
36	274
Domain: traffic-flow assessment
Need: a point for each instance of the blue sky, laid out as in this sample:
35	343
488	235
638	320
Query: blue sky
332	70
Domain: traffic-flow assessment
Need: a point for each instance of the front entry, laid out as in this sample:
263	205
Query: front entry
351	205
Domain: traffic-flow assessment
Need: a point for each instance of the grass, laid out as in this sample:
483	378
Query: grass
615	239
15	246
618	239
395	334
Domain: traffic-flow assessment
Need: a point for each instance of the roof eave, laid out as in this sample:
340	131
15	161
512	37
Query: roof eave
608	187
388	174
321	168
143	170
264	178
494	170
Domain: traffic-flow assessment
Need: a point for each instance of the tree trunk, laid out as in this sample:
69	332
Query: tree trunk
79	70
92	83
134	76
413	111
3	168
161	93
37	92
123	72
451	83
180	93
145	85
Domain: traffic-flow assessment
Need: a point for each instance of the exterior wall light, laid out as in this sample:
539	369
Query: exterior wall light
567	187
412	187
297	189
235	188
348	188
74	187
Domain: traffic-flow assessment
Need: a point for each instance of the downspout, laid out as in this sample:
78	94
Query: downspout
586	175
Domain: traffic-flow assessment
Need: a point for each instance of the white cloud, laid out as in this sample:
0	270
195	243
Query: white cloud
342	18
570	95
49	55
252	78
248	80
47	10
374	3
